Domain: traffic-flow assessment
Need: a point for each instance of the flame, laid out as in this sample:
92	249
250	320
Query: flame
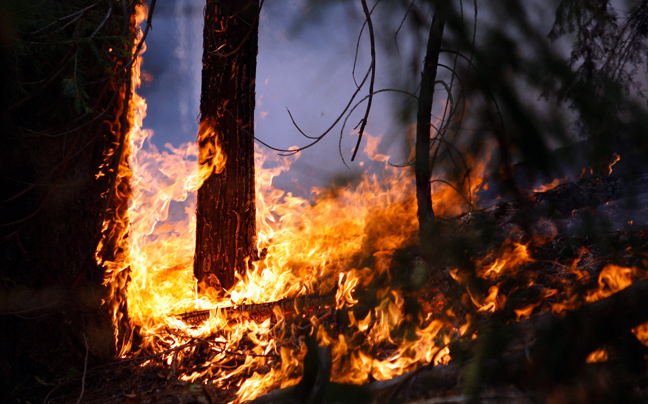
313	246
211	158
511	256
116	262
616	160
612	279
553	184
525	312
600	355
340	240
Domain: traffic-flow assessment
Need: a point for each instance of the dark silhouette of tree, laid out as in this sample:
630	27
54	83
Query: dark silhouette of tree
65	84
226	227
422	165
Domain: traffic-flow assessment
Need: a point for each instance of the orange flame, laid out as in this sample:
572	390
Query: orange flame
600	355
616	160
211	158
553	184
313	247
510	257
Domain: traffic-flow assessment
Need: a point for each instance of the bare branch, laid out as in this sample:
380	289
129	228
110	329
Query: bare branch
85	369
102	22
358	104
76	15
318	138
401	25
373	76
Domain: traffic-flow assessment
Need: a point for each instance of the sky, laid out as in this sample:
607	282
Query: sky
305	64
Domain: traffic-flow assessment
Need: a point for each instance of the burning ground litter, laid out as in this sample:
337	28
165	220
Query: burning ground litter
342	269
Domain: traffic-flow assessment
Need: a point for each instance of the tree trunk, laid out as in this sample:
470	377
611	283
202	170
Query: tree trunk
422	166
226	226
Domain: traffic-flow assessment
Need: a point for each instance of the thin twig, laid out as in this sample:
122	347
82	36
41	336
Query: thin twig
320	137
51	392
76	14
357	49
358	104
455	189
401	26
102	22
373	77
85	369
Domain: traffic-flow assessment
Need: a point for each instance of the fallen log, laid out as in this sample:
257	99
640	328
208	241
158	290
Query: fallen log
298	305
589	193
571	206
585	193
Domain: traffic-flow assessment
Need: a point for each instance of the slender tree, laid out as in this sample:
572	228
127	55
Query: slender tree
422	165
226	227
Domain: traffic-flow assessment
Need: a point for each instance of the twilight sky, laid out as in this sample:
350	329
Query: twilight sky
305	63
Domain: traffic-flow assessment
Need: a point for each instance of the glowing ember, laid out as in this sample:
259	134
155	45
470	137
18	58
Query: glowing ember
600	355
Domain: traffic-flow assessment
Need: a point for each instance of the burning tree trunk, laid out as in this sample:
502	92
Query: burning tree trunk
226	232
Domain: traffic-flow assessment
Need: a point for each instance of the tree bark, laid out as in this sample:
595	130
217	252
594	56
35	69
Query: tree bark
226	217
422	166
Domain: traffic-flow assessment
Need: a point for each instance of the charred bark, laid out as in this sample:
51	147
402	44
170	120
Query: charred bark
226	226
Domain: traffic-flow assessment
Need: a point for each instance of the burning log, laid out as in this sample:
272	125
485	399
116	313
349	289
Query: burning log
299	304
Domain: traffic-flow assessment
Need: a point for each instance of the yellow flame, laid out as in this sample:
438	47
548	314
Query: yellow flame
510	257
313	247
211	157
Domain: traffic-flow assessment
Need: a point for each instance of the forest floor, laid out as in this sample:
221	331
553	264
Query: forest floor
565	262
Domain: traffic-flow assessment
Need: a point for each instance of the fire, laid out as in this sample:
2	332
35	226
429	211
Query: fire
600	355
616	160
211	158
313	247
612	279
553	184
509	257
339	243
